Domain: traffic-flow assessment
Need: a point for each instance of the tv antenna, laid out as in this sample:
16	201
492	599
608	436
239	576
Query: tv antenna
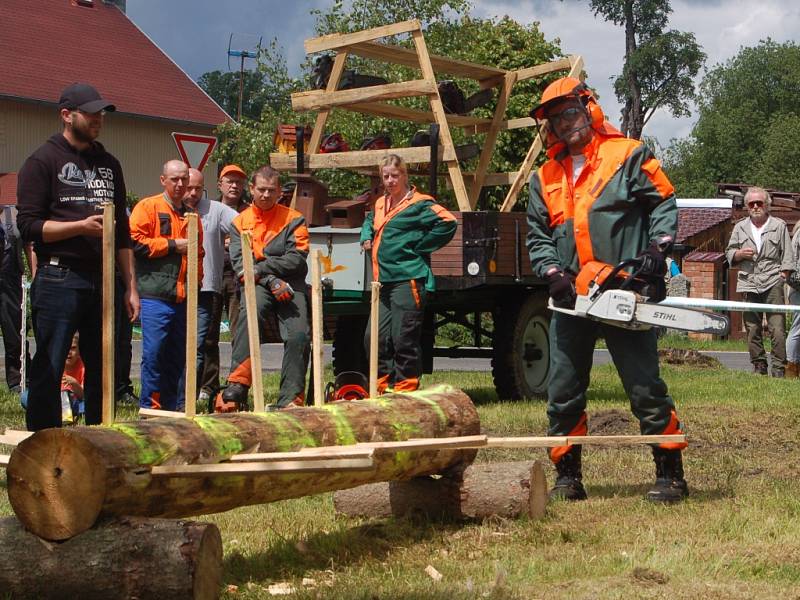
242	53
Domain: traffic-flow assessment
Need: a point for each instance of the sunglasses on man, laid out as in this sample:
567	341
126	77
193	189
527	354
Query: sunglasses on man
755	204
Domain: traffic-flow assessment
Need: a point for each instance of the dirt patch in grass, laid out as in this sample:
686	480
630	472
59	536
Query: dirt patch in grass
612	422
688	358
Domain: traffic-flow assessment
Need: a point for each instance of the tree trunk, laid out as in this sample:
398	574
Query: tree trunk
131	558
504	489
61	481
633	118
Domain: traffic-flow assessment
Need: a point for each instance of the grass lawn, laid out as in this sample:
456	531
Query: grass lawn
736	537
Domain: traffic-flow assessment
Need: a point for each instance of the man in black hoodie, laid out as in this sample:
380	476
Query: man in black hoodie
60	192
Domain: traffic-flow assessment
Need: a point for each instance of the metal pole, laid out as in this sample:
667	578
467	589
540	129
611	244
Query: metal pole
241	87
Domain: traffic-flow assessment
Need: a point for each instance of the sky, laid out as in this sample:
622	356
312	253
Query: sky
721	27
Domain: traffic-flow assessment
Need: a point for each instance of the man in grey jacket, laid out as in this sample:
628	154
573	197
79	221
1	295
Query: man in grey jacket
761	249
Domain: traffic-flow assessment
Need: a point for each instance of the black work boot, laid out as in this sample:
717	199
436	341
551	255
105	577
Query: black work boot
670	486
568	482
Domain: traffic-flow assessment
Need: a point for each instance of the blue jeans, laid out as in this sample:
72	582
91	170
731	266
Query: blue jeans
64	301
163	354
205	310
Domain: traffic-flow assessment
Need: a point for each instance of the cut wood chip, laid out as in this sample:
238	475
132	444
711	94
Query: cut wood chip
281	589
433	573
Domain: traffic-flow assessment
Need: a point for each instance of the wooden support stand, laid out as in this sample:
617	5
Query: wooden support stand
192	290
109	255
251	309
316	328
374	316
130	558
485	490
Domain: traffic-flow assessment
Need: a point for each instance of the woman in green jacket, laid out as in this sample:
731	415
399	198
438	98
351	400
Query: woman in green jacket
402	231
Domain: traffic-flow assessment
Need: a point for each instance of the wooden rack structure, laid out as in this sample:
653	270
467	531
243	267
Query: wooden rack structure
372	100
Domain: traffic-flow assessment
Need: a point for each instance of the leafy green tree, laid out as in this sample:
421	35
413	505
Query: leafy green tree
660	65
223	87
748	126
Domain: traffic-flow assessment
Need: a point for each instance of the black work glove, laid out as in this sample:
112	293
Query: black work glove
654	261
562	289
282	291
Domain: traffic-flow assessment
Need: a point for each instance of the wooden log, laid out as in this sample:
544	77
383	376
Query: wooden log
501	489
61	481
130	558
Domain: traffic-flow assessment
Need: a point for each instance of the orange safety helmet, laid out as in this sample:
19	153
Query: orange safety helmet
567	87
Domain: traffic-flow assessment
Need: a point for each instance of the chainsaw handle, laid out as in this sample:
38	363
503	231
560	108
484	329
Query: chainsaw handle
627	281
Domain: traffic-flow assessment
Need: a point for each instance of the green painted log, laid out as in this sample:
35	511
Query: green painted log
62	481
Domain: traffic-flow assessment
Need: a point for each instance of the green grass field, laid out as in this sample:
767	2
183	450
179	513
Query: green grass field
736	536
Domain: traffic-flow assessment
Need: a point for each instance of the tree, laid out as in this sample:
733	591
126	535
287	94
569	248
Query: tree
748	127
449	31
660	66
223	87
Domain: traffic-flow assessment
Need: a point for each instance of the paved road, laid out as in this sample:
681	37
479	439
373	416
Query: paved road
271	355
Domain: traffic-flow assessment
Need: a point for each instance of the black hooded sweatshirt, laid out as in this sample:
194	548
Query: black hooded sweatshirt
60	183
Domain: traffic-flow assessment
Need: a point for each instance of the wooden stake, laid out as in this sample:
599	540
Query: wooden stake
108	314
316	327
156	412
596	440
374	316
306	454
252	320
250	468
192	290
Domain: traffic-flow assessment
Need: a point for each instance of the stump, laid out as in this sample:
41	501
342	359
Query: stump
61	481
502	489
129	558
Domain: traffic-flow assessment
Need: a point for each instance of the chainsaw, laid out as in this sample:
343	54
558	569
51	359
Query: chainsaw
605	295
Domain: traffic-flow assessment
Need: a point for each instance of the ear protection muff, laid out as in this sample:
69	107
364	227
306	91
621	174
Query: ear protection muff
593	110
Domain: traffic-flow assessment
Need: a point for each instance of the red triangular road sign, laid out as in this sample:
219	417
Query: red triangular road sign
194	149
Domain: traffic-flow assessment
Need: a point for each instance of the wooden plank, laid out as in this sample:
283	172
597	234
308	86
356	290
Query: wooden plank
251	310
340	40
12	437
374	316
415	115
446	140
595	440
157	412
317	99
491	138
306	454
526	167
4	458
316	328
357	158
322	116
561	64
108	316
284	467
192	291
520	123
404	56
419	445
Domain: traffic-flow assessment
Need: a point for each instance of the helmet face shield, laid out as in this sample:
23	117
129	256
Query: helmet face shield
563	118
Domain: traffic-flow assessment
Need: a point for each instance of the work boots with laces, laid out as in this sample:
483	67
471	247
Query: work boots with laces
568	481
670	486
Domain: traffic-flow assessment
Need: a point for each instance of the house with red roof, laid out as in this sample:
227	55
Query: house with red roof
48	44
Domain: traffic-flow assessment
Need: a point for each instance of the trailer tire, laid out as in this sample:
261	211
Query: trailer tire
521	360
348	345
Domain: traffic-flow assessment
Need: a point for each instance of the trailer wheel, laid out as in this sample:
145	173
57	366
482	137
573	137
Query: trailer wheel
521	361
348	345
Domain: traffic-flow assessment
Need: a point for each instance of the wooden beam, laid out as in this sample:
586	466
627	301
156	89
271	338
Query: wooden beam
374	334
316	328
12	437
524	173
393	111
492	179
317	99
404	56
157	412
322	116
192	291
253	330
356	158
284	467
340	40
561	64
594	440
306	454
491	139
446	140
418	445
108	316
504	125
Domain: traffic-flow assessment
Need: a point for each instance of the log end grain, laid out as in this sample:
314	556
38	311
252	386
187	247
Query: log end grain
207	563
54	484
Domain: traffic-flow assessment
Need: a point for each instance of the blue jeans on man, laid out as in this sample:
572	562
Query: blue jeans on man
64	301
163	354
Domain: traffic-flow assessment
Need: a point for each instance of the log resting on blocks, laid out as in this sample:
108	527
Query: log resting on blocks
129	558
61	481
485	490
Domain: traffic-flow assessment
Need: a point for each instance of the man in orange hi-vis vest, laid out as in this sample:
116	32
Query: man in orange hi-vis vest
600	198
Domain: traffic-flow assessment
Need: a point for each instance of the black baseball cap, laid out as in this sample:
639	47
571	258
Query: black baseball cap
82	96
